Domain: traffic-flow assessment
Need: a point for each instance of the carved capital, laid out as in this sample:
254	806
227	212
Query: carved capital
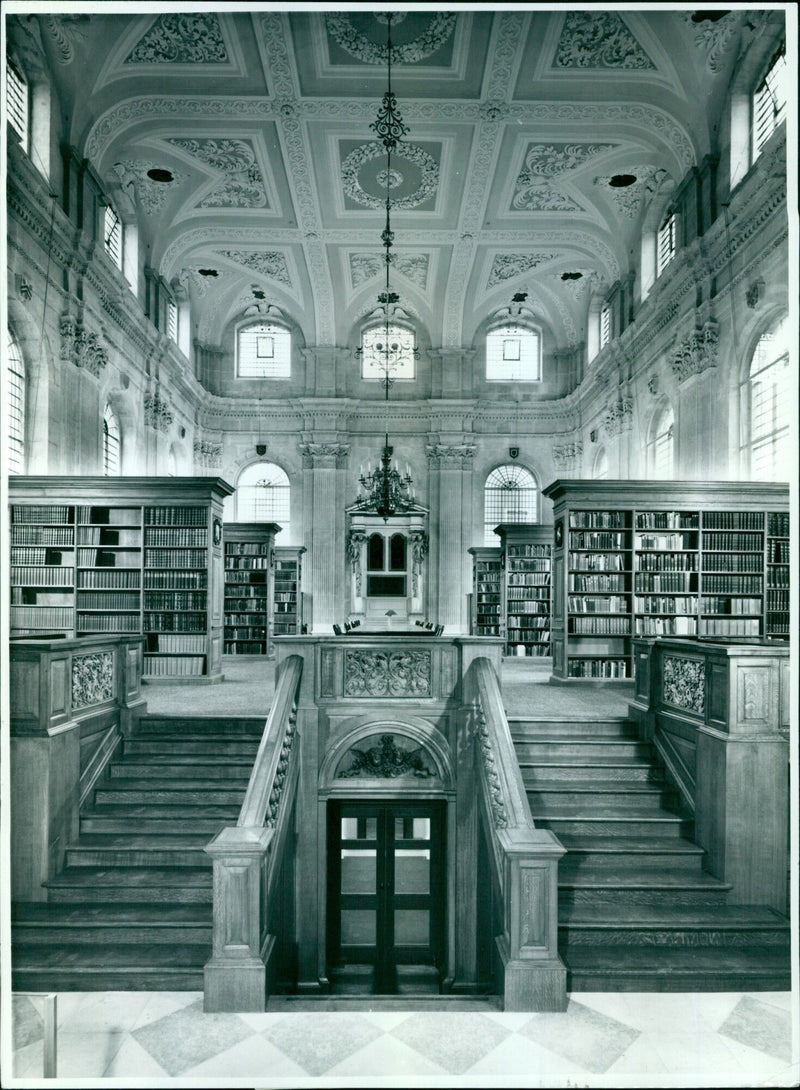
82	347
324	455
567	455
207	455
443	456
157	413
697	353
619	416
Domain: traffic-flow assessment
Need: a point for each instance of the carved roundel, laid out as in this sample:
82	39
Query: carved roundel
361	176
344	29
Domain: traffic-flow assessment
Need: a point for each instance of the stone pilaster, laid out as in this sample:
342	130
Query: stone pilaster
450	488
323	466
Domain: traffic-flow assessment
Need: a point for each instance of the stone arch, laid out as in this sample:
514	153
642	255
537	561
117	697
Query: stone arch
422	733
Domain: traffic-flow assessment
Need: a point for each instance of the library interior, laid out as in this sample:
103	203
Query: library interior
399	466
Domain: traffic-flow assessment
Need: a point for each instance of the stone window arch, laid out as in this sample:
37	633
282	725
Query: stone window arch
511	494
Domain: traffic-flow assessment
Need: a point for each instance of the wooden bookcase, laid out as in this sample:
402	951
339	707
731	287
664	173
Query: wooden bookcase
121	555
287	590
487	591
526	561
248	550
656	558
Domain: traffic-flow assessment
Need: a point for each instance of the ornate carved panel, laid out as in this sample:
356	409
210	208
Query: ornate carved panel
92	679
389	758
684	684
404	674
182	38
598	39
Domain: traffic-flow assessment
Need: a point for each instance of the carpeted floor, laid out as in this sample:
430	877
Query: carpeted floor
249	684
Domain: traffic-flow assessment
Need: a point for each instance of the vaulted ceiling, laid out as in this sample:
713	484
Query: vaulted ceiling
538	140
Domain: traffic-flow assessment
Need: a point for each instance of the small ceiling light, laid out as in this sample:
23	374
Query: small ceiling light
208	272
572	276
520	297
620	181
158	174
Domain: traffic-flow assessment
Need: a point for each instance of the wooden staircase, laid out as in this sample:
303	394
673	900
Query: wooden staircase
132	909
637	911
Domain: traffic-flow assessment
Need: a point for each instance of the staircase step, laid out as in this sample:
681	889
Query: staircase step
532	728
555	772
678	969
210	792
98	850
49	924
609	797
149	725
643	925
599	823
119	820
621	886
132	967
220	768
632	850
580	749
99	885
182	748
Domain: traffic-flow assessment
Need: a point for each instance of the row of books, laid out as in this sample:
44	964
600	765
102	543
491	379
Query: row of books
750	543
666	626
108	622
175	558
598	668
521	594
52	513
660	604
246	632
739	627
524	621
55	576
232	576
174	622
597	561
41	535
176	516
236	590
777	552
537	605
733	520
110	516
111	600
102	535
177	536
597	540
667	520
600	626
777	599
529	579
174	666
777	624
246	563
666	561
529	551
175	599
609	604
598	520
740	606
666	541
242	647
105	558
28	596
667	582
744	562
242	606
778	524
528	565
488	609
246	548
175	645
593	584
109	579
41	617
527	650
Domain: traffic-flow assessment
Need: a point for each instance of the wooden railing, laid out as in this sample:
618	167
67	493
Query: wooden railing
524	862
251	919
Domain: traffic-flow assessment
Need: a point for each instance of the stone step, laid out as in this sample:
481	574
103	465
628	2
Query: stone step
125	967
181	749
632	823
194	793
678	969
533	728
221	767
607	797
635	851
700	926
580	750
547	772
177	725
101	885
118	819
120	850
44	923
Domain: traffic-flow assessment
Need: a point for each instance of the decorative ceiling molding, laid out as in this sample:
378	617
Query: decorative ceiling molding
533	189
66	31
150	195
585	117
715	36
181	38
598	40
413	267
243	184
507	266
269	263
352	41
410	153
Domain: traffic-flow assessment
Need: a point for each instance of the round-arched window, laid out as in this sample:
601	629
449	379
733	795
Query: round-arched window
768	401
510	495
262	495
15	409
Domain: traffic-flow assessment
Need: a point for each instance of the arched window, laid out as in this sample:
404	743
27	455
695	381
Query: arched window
767	403
400	356
605	324
510	495
15	415
111	443
513	354
769	101
112	235
600	470
17	99
660	445
262	495
263	350
665	242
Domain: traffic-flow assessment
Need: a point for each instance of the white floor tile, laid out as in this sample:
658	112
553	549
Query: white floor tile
757	1064
512	1020
386	1056
260	1020
784	1000
679	1012
253	1058
386	1020
518	1057
27	1061
696	1054
86	1055
106	1012
163	1003
641	1059
134	1062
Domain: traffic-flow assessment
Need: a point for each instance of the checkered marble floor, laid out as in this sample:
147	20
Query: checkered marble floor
608	1039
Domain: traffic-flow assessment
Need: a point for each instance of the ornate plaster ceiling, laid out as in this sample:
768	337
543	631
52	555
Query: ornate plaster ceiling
519	120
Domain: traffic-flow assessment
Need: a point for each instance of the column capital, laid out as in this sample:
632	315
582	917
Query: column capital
324	455
445	456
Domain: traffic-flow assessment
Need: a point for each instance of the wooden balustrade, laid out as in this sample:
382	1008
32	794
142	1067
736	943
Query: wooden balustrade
248	860
524	860
71	702
718	715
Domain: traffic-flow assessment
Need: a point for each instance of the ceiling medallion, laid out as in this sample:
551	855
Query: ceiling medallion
358	45
411	153
389	179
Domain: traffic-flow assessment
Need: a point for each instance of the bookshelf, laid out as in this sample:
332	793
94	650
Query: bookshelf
487	591
672	559
128	555
287	590
527	559
248	551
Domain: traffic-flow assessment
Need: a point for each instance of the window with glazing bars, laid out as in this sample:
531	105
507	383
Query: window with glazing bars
662	446
172	320
665	243
17	102
771	403
264	350
15	410
112	235
393	346
509	496
769	102
110	443
263	495
513	354
601	465
605	325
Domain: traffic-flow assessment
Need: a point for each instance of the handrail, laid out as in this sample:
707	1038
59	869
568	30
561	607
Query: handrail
508	799
263	795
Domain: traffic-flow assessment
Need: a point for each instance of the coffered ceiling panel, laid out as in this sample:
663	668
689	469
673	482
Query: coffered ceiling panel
537	141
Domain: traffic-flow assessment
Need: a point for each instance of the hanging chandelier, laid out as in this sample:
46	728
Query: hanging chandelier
386	490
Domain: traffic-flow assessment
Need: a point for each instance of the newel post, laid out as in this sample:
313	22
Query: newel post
235	979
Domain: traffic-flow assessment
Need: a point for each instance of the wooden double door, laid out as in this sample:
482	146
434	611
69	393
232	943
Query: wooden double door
385	895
